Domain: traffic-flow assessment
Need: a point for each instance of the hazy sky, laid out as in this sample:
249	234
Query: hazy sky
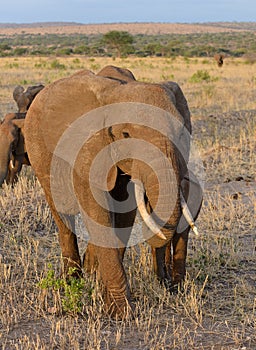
104	11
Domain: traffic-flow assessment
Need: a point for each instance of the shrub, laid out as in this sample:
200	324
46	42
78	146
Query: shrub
201	76
71	290
55	64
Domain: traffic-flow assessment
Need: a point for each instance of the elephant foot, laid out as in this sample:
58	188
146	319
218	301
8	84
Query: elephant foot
71	268
119	309
177	282
90	261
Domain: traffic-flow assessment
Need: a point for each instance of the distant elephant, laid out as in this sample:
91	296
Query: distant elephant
219	58
105	146
12	149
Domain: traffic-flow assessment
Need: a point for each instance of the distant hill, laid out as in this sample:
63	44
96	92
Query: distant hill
38	24
133	28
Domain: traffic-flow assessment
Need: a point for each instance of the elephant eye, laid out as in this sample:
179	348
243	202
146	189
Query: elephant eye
126	135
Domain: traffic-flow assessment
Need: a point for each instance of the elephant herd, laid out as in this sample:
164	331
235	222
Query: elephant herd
108	147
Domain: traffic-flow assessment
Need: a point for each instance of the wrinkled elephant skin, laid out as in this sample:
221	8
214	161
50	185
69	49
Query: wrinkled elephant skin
136	137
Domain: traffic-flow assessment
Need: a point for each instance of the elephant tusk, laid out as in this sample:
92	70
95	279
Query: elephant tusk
187	214
11	164
152	225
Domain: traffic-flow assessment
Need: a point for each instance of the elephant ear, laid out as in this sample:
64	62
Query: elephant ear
104	177
21	99
24	99
177	97
17	92
31	93
20	148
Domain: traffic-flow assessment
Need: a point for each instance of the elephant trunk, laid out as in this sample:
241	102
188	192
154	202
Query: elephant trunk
4	156
4	162
161	188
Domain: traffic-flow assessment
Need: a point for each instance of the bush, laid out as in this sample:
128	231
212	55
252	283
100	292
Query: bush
201	76
70	290
20	51
57	65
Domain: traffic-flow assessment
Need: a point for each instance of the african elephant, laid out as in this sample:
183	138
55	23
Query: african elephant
24	98
219	58
168	273
103	146
12	149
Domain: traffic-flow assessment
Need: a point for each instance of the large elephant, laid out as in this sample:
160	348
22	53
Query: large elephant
12	149
169	273
105	146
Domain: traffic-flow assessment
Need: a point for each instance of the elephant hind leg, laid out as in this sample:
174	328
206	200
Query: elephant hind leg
69	245
180	241
169	261
162	263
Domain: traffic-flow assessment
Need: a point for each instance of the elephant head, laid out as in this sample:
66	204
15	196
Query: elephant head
24	98
105	146
12	148
12	152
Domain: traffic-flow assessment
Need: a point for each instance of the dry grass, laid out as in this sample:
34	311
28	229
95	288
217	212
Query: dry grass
133	28
217	309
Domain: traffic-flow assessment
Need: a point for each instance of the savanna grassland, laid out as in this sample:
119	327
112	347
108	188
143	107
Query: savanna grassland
217	308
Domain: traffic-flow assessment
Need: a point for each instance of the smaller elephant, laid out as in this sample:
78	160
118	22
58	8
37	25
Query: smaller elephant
12	149
219	58
12	146
24	98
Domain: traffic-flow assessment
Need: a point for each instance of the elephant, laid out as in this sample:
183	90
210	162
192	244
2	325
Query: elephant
12	149
24	98
219	58
109	146
162	257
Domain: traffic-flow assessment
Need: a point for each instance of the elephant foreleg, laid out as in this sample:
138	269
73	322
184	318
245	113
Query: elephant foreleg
67	240
90	262
68	244
117	291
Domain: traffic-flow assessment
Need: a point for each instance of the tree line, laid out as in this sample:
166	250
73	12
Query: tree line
122	44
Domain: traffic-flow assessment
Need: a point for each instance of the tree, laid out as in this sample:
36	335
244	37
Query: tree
120	41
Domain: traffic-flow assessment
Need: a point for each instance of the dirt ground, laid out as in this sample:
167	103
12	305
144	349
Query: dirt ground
133	28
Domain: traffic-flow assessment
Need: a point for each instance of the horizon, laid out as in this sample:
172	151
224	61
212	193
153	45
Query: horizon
121	22
115	11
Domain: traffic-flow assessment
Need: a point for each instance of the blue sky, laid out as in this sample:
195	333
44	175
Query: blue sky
107	11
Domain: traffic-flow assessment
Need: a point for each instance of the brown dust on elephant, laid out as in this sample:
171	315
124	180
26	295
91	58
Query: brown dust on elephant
106	146
12	149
